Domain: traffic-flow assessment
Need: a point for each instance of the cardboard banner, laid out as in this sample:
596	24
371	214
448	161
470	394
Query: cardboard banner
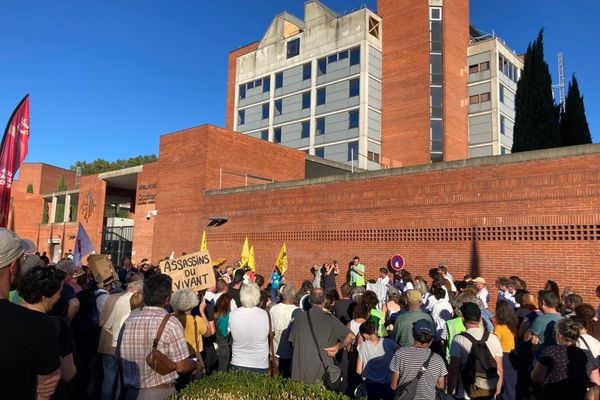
192	271
102	269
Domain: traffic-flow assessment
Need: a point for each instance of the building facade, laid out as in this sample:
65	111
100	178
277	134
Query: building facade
494	70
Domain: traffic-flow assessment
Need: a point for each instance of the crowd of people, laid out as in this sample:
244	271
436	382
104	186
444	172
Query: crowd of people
66	336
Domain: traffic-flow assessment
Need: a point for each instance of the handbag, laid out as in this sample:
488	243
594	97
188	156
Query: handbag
201	369
332	377
273	370
156	359
408	390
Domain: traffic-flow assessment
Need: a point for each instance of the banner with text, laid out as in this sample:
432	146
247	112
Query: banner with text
192	271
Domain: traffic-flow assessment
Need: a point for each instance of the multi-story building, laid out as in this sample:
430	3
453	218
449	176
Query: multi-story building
315	85
494	70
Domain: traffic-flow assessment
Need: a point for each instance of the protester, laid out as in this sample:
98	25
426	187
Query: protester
505	331
276	281
331	335
462	357
482	292
357	272
591	324
221	288
570	302
408	361
564	370
506	291
381	287
30	359
281	317
136	339
249	327
407	281
329	272
68	304
374	357
392	308
304	295
376	315
443	271
541	332
403	326
223	350
342	308
235	286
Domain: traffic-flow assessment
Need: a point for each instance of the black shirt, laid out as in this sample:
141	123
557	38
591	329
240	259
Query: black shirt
61	307
235	295
328	280
341	309
28	348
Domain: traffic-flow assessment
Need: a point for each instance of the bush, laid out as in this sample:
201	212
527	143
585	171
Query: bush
241	385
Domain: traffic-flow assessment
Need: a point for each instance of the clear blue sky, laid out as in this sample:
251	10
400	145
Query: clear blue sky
108	77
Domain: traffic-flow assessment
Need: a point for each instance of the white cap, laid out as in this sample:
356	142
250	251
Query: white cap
11	247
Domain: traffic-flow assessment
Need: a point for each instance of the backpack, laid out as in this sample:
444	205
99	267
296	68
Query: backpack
480	375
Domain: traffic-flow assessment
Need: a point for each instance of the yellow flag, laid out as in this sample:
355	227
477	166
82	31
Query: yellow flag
203	245
251	262
245	253
282	262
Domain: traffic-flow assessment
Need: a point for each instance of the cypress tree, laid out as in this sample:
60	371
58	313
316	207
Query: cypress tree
536	125
574	128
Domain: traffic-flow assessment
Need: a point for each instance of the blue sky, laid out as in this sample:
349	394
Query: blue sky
107	78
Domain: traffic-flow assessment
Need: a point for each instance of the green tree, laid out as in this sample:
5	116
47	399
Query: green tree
574	128
62	186
100	165
29	188
536	124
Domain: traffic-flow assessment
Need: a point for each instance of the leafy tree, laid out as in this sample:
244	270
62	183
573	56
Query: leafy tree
574	128
100	165
536	125
29	188
62	186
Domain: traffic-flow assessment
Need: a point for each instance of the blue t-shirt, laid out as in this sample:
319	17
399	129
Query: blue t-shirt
275	280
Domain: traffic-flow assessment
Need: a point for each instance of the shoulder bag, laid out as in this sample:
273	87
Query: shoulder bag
156	359
332	378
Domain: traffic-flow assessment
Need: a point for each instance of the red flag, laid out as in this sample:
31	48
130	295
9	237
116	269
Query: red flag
12	154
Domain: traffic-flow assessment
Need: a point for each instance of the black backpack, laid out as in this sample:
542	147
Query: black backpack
481	366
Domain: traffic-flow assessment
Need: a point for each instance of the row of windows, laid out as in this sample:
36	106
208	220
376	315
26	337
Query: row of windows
436	97
353	53
479	98
353	123
475	68
264	82
508	68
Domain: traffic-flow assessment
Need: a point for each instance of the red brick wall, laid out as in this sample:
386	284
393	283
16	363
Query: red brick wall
456	41
538	219
90	207
43	177
405	91
143	227
231	74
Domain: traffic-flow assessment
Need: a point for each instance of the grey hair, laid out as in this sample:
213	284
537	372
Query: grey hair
288	292
185	299
462	299
317	296
137	286
250	295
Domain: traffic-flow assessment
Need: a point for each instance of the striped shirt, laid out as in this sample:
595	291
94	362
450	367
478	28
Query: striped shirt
135	343
407	362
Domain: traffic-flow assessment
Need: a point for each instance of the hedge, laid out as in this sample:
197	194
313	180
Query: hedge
242	385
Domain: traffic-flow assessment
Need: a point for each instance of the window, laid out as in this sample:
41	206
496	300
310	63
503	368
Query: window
320	126
321	96
241	117
242	91
473	69
321	66
258	83
510	72
436	96
437	130
332	58
435	14
474	99
374	27
502	125
278	107
353	119
305	130
265	111
485	97
343	55
371	156
266	84
305	100
250	85
278	80
435	36
293	48
264	135
320	152
354	87
503	150
435	66
500	62
501	94
484	66
306	71
352	151
355	56
277	135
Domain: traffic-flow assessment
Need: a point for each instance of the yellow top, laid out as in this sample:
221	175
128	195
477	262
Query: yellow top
188	332
507	338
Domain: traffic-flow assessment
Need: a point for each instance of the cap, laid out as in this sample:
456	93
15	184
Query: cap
414	296
470	312
423	326
479	280
393	291
11	247
67	266
28	246
30	262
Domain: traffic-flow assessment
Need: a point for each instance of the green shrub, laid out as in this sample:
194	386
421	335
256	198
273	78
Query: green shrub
241	385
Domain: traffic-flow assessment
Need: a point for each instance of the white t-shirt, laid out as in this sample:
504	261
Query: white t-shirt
441	312
484	296
592	342
281	315
250	335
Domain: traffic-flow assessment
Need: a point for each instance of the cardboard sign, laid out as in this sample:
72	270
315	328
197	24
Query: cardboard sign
102	269
192	271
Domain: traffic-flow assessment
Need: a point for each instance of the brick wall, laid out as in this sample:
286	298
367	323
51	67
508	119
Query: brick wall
144	227
231	75
90	209
43	177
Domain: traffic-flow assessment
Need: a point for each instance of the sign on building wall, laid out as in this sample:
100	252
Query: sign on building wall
192	271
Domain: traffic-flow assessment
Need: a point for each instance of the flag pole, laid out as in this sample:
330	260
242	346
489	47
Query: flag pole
11	118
